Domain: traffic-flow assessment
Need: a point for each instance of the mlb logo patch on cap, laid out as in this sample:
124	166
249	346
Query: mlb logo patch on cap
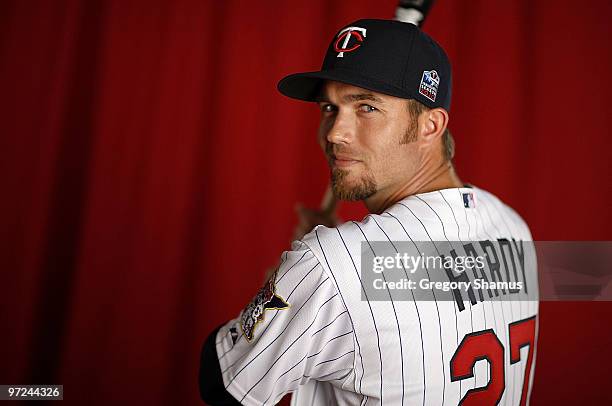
469	202
429	84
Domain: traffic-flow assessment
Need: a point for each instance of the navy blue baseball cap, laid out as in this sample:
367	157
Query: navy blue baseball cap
385	56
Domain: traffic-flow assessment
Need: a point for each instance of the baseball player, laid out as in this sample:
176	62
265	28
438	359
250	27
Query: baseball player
388	310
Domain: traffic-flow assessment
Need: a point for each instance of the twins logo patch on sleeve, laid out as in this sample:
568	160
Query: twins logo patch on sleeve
266	299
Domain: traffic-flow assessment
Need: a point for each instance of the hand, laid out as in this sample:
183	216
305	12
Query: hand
309	218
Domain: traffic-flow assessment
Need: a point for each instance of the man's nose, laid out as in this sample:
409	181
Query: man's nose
342	130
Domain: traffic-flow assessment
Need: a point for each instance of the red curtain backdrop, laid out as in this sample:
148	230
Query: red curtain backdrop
149	171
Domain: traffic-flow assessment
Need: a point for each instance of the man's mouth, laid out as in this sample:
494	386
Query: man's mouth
342	161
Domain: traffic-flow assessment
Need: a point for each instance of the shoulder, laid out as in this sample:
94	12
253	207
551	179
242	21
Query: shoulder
506	213
347	233
343	242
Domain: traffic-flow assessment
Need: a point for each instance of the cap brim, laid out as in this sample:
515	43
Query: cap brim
307	85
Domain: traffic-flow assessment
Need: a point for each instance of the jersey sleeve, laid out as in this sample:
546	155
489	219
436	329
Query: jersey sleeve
294	330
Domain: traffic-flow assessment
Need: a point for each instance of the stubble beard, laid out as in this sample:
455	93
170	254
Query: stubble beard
365	187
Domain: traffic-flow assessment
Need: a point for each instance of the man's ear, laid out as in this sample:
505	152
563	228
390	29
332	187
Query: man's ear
432	124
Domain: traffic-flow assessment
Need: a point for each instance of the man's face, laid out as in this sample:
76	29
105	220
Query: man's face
368	139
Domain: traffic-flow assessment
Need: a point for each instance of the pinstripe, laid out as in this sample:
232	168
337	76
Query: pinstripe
342	377
499	300
501	235
330	323
371	313
509	231
291	267
298	363
278	336
349	314
453	212
459	237
503	218
283	374
484	308
273	317
399	332
436	247
437	308
455	218
334	359
482	199
325	345
445	236
290	345
491	299
505	262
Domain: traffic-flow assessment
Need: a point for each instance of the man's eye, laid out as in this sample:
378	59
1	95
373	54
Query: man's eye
366	108
327	108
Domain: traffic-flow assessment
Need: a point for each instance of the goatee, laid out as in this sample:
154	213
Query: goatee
366	187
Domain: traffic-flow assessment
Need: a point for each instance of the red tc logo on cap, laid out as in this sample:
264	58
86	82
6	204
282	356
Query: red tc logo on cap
345	35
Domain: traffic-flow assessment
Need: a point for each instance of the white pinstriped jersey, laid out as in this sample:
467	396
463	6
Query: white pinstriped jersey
312	332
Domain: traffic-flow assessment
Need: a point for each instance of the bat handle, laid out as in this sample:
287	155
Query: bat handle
413	11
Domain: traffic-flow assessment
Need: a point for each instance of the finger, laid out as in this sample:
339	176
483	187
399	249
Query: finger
305	216
328	202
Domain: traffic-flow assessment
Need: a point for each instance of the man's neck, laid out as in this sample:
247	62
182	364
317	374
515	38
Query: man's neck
442	177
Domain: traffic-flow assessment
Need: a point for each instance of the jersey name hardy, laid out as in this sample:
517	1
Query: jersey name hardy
500	255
